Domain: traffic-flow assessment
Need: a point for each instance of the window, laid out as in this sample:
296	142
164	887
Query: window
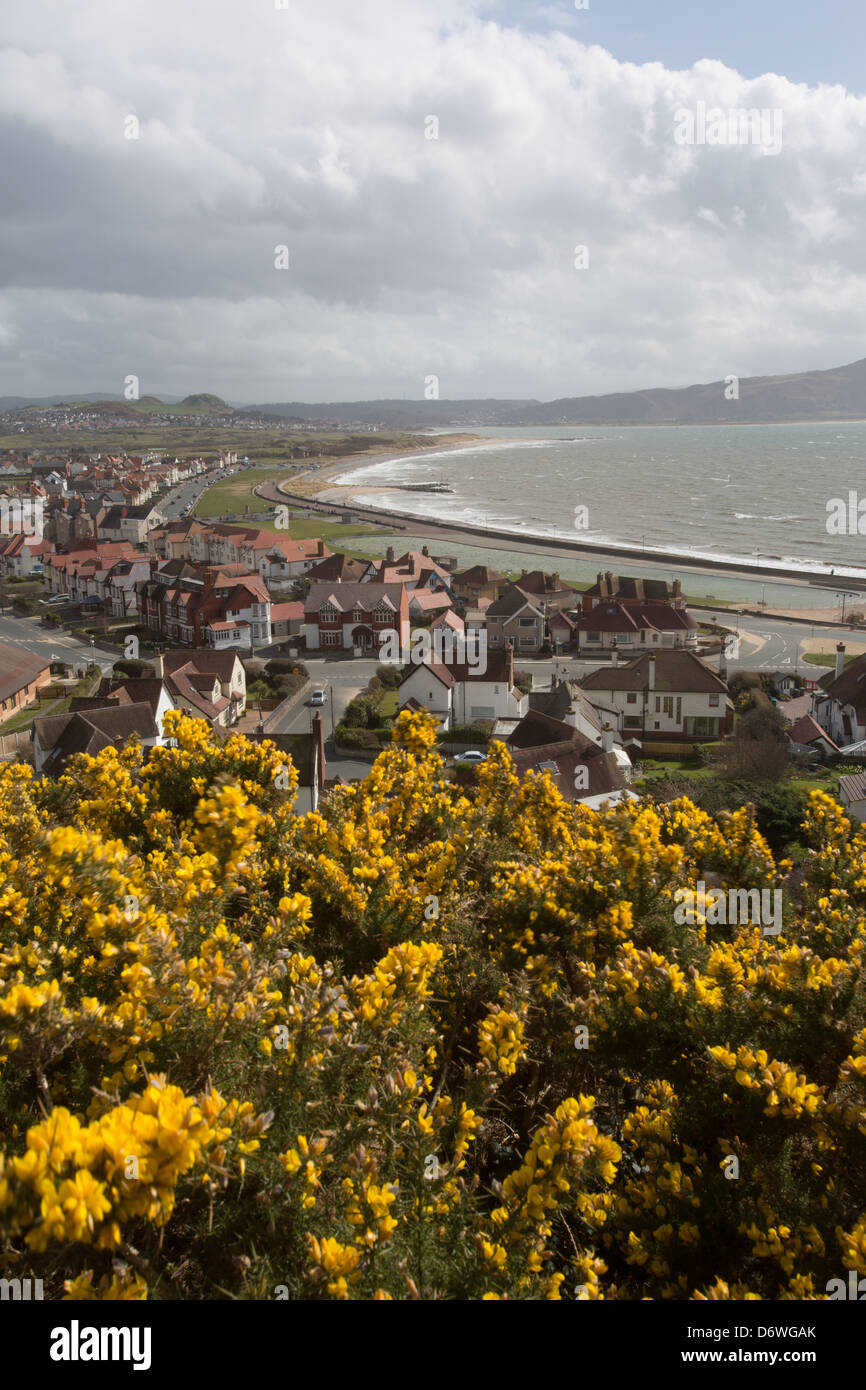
631	721
658	705
631	698
593	637
526	622
357	614
328	614
714	700
668	706
625	638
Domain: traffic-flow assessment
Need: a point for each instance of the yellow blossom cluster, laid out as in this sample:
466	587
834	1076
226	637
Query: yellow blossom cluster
430	1041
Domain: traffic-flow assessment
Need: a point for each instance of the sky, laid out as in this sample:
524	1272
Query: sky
476	198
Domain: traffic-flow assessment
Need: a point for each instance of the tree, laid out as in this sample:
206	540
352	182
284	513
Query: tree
760	747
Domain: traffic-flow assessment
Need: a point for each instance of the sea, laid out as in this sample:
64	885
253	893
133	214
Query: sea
756	494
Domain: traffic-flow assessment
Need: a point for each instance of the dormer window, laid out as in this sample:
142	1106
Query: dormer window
357	614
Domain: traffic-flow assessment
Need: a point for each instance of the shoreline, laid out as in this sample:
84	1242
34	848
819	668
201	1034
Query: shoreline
344	495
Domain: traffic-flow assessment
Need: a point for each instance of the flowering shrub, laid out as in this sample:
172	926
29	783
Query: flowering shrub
418	1044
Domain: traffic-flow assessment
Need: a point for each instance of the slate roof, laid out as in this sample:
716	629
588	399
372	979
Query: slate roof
90	731
675	671
18	669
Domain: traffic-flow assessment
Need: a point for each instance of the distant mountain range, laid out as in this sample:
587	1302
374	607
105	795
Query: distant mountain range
837	394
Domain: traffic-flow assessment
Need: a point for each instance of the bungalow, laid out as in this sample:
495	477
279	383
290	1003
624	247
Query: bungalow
667	695
356	617
22	675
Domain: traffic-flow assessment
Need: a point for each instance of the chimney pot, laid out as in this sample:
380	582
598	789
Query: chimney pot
840	658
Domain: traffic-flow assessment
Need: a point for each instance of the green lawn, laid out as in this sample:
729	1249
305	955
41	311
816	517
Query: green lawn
24	718
825	659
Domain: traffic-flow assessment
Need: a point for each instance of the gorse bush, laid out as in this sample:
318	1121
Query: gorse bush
418	1044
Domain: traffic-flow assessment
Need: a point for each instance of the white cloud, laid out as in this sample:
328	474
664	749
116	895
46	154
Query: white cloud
306	127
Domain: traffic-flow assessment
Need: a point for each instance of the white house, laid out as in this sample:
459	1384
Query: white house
664	695
460	693
839	703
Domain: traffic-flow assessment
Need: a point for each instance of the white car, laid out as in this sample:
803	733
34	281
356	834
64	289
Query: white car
472	756
318	697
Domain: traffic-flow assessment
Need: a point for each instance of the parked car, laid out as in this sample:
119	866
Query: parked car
318	697
471	756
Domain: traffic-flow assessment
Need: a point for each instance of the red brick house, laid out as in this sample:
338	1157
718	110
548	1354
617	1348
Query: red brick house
350	616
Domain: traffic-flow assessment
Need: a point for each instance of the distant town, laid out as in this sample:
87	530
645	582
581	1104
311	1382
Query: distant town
129	605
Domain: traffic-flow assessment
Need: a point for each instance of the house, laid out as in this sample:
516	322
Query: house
23	555
517	619
563	631
130	523
358	616
279	559
583	770
478	582
839	703
461	693
287	619
545	590
22	676
448	621
56	737
209	684
665	695
415	570
426	603
808	736
610	625
216	606
568	703
337	569
852	794
632	591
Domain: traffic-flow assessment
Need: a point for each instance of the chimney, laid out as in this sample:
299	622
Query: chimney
606	739
389	555
676	589
614	657
555	578
425	550
158	664
510	654
651	667
840	659
608	574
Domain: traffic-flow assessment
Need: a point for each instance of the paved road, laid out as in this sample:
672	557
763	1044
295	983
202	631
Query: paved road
57	645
